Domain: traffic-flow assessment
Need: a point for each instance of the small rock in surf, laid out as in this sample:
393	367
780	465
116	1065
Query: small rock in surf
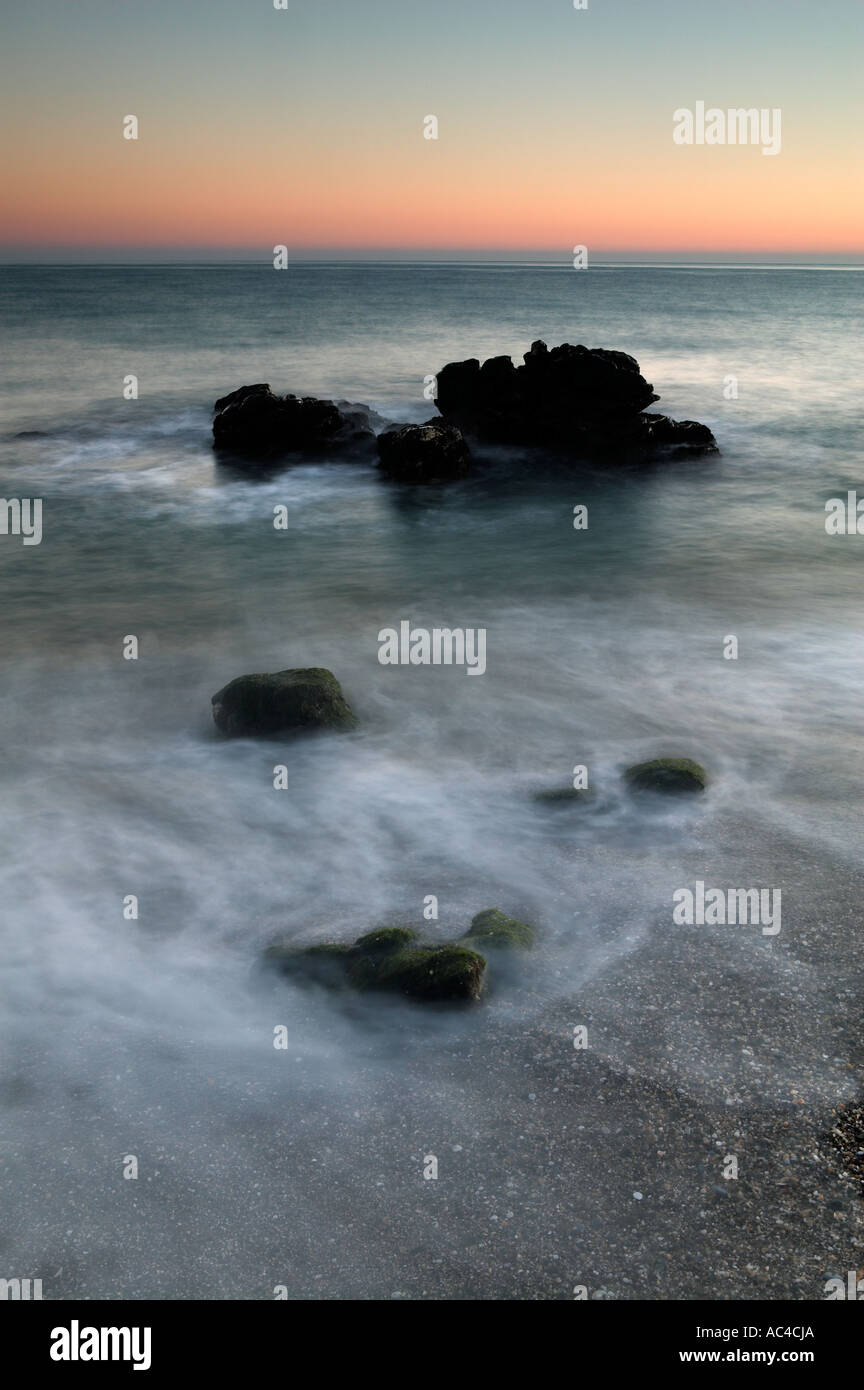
292	701
667	775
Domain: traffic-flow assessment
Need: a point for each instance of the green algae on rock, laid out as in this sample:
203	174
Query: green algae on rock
292	701
667	775
424	973
390	959
492	929
384	939
394	960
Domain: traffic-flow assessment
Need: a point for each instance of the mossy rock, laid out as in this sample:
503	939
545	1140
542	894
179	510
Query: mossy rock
385	939
493	929
427	974
292	701
668	775
388	959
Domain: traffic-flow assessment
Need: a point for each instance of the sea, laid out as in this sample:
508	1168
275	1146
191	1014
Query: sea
280	1137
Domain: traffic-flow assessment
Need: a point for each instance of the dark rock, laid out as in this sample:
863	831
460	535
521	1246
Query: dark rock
261	388
252	423
431	453
385	939
426	973
364	416
394	960
492	928
581	399
678	436
283	702
390	960
667	775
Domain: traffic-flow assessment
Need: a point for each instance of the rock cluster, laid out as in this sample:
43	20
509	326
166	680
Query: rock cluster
584	400
253	424
666	776
394	960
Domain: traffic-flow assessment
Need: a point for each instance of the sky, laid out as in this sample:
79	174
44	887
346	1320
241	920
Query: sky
304	127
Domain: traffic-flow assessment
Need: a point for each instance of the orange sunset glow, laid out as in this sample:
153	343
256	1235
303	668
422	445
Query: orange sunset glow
250	136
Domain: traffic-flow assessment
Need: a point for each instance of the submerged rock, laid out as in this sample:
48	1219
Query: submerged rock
667	775
431	453
390	959
254	425
572	397
323	964
684	436
425	973
492	928
290	701
394	960
564	796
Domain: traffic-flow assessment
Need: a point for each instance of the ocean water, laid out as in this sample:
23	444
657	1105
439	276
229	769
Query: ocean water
151	1037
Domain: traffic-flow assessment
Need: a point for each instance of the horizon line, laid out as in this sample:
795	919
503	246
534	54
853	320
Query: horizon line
173	256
